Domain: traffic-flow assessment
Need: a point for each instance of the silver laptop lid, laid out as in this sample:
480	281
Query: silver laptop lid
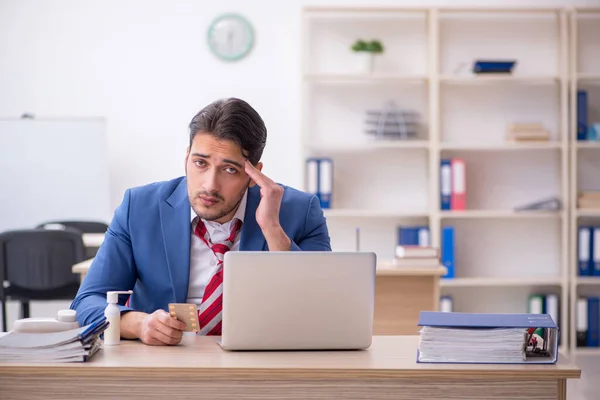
298	300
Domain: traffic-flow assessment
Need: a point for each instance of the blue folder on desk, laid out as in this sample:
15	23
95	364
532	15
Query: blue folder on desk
482	323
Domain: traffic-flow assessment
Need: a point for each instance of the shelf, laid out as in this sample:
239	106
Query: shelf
357	213
388	268
509	146
462	114
364	13
588	212
499	214
588	280
408	144
588	144
588	78
357	78
500	282
497	78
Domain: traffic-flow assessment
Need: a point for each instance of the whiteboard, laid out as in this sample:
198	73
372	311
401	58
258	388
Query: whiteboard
53	169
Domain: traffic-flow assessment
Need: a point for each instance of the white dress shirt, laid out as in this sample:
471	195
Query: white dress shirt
203	262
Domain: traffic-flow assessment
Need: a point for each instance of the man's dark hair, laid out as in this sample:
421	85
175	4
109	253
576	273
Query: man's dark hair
233	119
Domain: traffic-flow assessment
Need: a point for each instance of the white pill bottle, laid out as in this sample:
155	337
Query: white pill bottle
112	334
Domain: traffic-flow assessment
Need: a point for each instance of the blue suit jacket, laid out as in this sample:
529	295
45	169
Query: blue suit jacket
147	246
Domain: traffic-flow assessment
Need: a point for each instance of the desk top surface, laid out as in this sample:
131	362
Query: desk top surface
388	357
382	270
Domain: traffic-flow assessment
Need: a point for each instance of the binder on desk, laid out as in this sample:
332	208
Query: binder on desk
454	338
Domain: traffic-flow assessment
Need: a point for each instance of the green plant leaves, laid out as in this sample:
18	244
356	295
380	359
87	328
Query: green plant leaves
374	46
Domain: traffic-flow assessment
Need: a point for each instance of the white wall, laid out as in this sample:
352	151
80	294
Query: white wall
145	66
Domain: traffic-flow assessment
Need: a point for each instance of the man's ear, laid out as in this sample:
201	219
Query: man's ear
187	154
259	167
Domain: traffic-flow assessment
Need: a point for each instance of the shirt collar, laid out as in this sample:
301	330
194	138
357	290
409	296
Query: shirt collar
239	214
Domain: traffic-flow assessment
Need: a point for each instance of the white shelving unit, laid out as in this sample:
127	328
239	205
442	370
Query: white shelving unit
502	256
585	156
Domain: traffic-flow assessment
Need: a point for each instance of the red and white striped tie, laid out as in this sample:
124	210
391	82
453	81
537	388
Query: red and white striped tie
209	314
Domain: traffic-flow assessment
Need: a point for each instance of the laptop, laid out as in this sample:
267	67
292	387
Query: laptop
298	300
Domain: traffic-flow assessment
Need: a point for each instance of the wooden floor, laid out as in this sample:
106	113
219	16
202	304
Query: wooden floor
588	387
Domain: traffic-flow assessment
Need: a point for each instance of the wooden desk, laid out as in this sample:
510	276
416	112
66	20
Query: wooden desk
199	368
82	268
401	294
93	239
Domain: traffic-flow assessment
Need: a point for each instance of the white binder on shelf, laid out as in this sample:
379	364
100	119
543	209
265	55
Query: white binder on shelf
312	176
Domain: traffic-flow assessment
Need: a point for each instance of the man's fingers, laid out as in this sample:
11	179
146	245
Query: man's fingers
166	339
257	176
166	319
168	331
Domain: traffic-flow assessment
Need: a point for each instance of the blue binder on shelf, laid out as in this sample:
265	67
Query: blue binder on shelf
593	332
493	66
485	322
582	115
319	179
325	181
448	250
585	248
414	236
595	251
445	184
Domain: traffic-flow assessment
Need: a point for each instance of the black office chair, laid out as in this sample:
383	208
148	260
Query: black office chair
83	227
35	264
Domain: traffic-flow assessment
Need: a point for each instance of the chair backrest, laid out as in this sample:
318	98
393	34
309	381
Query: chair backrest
83	226
38	260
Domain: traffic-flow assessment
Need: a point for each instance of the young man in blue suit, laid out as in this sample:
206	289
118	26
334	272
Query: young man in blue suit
167	240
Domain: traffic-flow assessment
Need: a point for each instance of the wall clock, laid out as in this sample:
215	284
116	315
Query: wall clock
230	37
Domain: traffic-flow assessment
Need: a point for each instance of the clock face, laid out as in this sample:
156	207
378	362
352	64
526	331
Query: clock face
230	37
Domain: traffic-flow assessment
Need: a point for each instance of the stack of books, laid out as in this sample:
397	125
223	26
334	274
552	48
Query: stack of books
75	345
526	132
589	200
416	256
450	337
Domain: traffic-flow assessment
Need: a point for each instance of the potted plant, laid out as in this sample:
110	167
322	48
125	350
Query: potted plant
367	51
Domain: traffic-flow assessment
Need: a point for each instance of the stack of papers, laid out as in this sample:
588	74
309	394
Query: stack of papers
76	345
497	345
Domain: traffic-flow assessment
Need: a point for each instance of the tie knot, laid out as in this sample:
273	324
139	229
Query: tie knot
202	232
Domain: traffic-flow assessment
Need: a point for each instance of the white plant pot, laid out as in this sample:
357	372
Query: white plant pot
365	62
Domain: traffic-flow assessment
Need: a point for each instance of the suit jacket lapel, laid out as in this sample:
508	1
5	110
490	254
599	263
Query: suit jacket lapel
252	237
176	230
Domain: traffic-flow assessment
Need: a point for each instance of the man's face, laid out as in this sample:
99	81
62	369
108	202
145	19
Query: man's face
216	178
